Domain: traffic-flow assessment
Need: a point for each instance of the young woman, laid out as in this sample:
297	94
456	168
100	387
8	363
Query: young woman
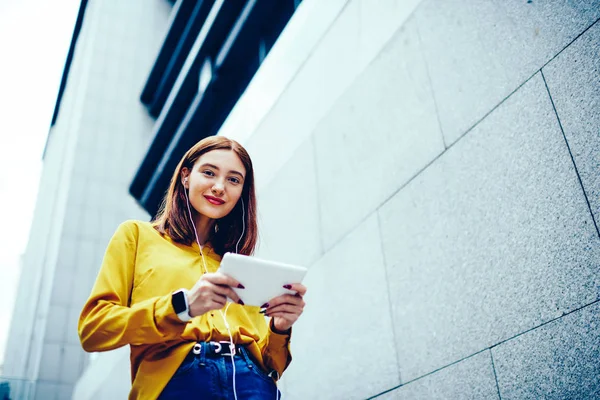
192	344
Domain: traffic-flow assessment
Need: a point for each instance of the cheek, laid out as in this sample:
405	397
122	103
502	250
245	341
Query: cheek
234	198
201	184
236	195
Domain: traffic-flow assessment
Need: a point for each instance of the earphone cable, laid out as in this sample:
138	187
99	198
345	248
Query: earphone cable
220	311
224	315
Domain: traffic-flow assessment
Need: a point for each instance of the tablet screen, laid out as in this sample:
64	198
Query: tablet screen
262	279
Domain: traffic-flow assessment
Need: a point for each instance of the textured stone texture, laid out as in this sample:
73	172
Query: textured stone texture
289	214
352	40
480	51
574	82
472	378
559	360
494	238
380	133
343	345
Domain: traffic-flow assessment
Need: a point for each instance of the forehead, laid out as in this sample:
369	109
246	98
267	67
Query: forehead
226	160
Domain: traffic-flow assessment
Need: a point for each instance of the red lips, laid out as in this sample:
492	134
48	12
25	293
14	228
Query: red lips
214	200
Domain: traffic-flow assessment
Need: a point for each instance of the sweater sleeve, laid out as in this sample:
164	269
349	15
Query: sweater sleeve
275	348
107	320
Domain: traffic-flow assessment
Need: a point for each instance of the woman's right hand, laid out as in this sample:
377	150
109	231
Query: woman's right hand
211	293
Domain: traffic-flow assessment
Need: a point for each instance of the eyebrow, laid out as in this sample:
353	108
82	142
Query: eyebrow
217	168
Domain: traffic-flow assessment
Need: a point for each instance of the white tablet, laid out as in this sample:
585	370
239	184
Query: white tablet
262	279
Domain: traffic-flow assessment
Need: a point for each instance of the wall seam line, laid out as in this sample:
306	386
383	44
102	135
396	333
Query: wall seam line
315	160
387	286
495	374
487	348
435	104
570	154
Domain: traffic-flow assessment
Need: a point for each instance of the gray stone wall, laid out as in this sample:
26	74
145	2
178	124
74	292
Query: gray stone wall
447	206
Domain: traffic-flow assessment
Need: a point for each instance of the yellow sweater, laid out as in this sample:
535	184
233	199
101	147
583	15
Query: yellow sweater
131	304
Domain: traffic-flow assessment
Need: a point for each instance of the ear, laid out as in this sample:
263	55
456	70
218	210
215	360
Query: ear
185	176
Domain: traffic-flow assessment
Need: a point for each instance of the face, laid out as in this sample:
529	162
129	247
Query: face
215	183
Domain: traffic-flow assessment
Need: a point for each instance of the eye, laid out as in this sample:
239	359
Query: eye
234	180
208	172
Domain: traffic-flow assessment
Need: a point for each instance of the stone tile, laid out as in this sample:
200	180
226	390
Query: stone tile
50	362
289	214
472	378
71	362
47	391
67	253
381	132
65	391
90	260
61	287
309	94
351	355
294	78
494	238
111	366
56	323
86	259
556	361
90	220
72	221
379	20
574	84
479	52
71	333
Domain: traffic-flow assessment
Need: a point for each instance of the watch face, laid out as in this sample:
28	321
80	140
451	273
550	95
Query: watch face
178	300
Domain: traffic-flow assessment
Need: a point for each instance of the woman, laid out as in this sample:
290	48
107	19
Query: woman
192	344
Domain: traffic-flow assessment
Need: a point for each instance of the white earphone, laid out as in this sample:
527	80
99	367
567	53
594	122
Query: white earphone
223	314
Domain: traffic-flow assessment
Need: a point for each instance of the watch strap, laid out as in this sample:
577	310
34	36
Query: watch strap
180	304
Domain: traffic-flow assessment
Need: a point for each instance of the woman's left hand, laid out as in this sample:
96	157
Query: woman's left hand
287	308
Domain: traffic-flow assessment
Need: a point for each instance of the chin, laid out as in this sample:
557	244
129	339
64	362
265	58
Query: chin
211	212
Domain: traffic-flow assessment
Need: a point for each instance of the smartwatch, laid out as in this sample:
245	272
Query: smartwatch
180	304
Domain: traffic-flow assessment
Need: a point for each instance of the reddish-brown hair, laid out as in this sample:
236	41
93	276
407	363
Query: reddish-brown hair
173	218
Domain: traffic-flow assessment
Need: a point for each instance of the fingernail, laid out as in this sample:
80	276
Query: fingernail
262	311
240	286
240	302
287	286
266	305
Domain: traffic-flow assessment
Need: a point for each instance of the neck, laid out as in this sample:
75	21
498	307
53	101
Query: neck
204	226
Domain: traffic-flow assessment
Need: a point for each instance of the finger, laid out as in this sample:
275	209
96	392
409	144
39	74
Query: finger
287	316
288	308
219	278
286	298
217	302
226	291
297	287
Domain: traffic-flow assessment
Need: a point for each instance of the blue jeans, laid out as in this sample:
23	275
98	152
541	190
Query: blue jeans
210	376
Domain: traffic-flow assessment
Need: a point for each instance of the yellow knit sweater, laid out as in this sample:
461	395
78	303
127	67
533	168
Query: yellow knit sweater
131	304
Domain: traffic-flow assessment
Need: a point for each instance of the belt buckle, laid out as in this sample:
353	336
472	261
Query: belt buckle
219	347
197	348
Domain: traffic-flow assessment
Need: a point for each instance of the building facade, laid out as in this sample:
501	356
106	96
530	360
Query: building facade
434	163
99	136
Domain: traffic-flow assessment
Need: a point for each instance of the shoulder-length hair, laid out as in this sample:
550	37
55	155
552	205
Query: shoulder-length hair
173	217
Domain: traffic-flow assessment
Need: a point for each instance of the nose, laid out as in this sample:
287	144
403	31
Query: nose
218	188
